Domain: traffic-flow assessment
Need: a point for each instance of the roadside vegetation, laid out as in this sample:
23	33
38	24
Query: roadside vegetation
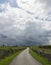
45	49
8	53
42	54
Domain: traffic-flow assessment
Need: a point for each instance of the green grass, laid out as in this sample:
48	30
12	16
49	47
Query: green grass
8	59
42	60
41	48
10	47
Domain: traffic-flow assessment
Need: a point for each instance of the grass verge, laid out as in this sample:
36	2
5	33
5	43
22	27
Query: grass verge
42	60
8	59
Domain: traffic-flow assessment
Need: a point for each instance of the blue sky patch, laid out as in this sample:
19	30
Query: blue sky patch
3	1
11	2
2	10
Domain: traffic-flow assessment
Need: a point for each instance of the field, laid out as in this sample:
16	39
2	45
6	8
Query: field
42	54
7	53
45	49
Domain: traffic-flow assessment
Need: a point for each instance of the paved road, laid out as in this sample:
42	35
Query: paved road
25	58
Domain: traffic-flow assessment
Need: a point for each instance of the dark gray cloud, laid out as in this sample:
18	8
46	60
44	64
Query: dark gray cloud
46	2
48	18
6	40
26	24
34	34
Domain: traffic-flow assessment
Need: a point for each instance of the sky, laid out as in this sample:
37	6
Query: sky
27	21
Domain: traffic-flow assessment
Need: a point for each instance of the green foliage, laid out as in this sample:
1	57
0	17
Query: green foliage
8	50
8	59
46	49
39	58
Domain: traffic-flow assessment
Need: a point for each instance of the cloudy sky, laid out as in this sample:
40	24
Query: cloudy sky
27	21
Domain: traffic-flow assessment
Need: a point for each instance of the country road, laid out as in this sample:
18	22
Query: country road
24	58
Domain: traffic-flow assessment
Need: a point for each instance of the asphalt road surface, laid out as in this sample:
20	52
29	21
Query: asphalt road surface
24	58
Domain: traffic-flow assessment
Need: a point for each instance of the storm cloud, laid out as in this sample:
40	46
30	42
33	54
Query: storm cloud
25	22
46	2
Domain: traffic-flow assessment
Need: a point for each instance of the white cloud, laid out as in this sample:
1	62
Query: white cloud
15	20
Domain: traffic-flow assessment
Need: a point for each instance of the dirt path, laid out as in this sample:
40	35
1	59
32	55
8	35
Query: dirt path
24	58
